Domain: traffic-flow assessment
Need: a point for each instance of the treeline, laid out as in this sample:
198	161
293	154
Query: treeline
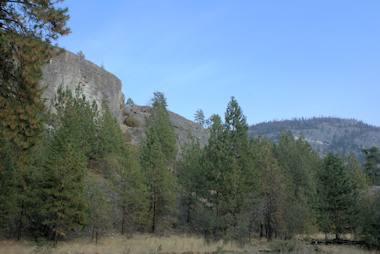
310	123
83	174
71	169
237	188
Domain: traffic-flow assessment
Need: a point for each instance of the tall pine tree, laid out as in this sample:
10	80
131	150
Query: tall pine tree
158	153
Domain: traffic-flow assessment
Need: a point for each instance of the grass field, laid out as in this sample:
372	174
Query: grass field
148	244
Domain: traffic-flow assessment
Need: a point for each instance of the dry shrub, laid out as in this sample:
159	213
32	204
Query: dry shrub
127	137
132	122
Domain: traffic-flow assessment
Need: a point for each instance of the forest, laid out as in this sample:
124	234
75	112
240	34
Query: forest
69	170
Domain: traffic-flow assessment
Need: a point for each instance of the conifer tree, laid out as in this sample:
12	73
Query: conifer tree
271	189
128	182
337	196
65	202
372	156
199	117
26	29
110	137
189	174
98	207
298	163
227	167
158	152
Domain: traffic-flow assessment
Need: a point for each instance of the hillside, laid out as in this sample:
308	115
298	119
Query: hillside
325	134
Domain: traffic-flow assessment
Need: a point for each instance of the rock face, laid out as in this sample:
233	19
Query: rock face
70	70
134	120
97	84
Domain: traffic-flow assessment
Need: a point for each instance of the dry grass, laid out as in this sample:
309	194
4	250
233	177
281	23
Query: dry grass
173	244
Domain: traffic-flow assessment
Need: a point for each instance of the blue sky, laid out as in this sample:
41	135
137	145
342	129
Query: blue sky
279	58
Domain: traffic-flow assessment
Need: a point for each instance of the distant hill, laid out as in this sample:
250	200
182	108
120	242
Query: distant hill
325	134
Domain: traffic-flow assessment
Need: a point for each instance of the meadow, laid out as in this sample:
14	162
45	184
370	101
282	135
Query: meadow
175	244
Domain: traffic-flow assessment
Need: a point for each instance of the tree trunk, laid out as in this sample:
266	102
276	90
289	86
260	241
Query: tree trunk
123	219
20	224
92	235
373	177
155	208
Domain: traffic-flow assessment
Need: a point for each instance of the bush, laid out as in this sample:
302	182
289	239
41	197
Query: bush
132	122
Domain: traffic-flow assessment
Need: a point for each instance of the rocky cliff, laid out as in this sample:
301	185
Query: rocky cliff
134	120
97	84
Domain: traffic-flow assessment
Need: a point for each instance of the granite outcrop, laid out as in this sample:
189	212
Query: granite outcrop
96	83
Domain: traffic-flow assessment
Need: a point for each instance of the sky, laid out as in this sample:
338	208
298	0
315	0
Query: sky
280	59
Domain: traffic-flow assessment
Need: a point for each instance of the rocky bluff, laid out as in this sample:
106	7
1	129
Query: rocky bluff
71	70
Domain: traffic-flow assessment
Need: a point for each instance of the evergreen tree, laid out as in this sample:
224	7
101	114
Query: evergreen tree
199	117
189	173
78	117
128	182
372	157
26	29
337	196
298	163
271	189
98	207
130	102
65	203
227	169
110	137
158	152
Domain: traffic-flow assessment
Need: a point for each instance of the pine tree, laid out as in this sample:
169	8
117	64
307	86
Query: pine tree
337	196
158	152
227	169
298	163
79	118
189	173
199	117
65	203
128	182
109	138
271	189
98	207
160	180
26	29
372	156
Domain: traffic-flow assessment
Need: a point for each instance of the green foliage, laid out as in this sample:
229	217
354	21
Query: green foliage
372	156
370	220
65	203
128	183
337	197
159	122
109	137
158	152
98	208
130	103
299	164
271	189
199	117
81	54
189	178
77	119
226	167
